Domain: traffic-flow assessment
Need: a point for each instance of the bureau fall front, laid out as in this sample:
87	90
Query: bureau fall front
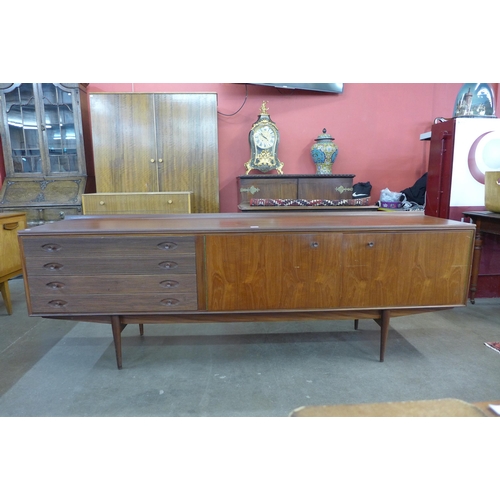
245	267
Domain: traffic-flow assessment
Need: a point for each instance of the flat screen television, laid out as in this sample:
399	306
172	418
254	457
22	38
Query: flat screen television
335	88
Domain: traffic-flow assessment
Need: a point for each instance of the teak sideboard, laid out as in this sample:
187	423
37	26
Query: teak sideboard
245	267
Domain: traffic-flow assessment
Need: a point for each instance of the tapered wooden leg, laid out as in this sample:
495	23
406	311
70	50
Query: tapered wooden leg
384	331
4	289
117	337
356	324
141	329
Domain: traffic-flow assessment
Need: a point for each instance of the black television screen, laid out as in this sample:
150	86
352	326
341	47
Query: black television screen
336	88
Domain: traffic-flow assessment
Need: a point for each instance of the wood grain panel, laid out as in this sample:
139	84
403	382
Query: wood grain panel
399	269
273	271
123	137
186	127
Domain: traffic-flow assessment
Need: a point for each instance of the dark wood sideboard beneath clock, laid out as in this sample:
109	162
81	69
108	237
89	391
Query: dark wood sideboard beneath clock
263	192
271	266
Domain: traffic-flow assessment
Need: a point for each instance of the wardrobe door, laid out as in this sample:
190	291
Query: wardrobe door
187	145
123	135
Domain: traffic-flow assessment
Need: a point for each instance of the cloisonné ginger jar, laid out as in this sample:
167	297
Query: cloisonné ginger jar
323	153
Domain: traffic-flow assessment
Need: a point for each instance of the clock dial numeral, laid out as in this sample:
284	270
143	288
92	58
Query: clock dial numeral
265	137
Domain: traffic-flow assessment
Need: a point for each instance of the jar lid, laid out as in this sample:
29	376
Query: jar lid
324	136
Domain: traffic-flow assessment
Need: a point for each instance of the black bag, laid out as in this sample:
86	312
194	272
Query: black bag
416	193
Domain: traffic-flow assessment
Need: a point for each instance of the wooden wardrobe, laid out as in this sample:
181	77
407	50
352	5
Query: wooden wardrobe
157	142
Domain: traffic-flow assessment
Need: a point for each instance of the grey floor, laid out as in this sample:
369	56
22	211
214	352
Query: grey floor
55	368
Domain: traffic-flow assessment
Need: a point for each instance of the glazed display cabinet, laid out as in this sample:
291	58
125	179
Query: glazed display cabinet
45	131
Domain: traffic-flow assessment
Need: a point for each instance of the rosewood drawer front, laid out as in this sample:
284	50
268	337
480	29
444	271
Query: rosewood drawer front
118	304
88	266
102	247
106	284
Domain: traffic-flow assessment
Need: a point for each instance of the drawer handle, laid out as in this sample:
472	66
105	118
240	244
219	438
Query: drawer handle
168	264
53	266
55	285
370	244
314	244
167	245
57	303
169	284
9	226
169	302
52	247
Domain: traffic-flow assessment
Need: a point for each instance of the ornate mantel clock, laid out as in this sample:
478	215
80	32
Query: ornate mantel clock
264	138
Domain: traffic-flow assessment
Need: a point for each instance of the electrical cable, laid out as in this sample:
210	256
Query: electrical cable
241	107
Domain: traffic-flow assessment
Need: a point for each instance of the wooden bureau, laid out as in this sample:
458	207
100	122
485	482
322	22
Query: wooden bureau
245	267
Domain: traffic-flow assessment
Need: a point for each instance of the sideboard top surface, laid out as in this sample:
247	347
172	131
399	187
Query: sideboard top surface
245	222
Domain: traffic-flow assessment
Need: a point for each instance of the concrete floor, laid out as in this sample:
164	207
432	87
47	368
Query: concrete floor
64	368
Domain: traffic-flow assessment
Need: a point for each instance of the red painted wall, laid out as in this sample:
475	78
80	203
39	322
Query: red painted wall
377	127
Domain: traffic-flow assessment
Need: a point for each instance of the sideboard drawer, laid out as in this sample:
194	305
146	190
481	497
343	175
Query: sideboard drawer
94	247
89	266
116	304
108	284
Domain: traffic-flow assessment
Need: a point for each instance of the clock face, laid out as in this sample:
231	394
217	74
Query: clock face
264	137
